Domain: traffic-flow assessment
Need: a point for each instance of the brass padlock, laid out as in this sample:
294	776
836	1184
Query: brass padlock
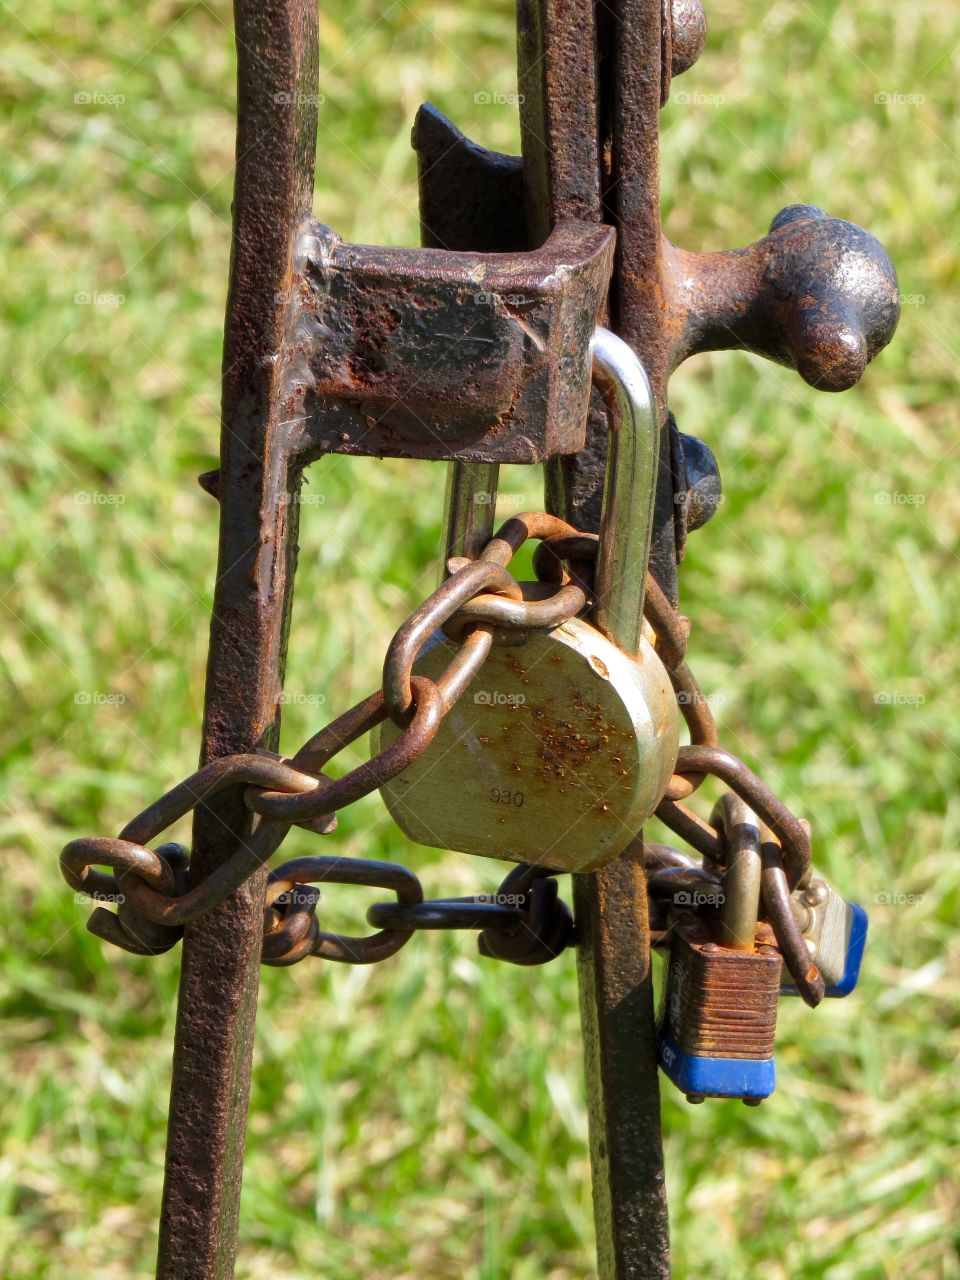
565	741
718	1019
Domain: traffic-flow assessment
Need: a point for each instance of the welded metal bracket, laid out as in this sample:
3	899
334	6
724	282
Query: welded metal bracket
817	294
426	353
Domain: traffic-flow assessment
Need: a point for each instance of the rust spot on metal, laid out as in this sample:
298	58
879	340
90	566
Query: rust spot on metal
383	363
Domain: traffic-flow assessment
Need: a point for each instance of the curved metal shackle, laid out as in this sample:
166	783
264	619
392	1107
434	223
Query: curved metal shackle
626	521
740	830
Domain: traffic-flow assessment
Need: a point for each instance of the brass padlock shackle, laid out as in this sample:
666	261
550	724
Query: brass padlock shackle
754	872
739	830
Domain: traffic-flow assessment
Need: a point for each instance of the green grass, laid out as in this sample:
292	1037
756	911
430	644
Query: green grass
426	1118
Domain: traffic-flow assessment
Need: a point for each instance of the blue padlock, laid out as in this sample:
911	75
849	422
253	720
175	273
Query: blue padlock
699	1077
722	981
836	933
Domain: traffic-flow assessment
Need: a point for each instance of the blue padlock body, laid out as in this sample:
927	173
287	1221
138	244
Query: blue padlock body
856	941
715	1077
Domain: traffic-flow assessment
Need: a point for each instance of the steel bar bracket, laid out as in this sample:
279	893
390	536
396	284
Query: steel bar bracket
426	353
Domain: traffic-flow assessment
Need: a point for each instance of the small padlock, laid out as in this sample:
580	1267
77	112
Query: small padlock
565	741
835	932
718	1018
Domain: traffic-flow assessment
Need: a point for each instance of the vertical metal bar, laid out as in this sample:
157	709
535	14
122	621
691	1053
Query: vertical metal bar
630	121
560	136
616	1013
276	144
582	103
469	509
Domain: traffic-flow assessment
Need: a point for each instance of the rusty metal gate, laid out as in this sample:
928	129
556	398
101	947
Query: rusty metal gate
333	347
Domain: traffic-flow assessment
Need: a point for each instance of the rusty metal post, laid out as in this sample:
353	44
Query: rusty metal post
616	988
277	49
572	119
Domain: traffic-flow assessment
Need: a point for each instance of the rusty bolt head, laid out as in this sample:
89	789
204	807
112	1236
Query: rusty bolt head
703	490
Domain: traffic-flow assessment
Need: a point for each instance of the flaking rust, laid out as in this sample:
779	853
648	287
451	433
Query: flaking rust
423	353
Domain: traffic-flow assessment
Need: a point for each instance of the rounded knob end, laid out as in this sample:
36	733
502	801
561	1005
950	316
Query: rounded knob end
688	26
834	291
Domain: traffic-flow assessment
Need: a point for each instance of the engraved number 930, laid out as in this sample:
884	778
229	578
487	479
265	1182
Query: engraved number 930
503	795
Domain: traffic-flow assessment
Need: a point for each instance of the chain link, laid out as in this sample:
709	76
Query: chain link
151	888
785	854
525	922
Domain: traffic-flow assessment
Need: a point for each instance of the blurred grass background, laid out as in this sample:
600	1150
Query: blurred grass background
426	1118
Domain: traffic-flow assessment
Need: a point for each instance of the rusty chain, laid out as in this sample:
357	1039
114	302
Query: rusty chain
786	848
525	921
785	855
